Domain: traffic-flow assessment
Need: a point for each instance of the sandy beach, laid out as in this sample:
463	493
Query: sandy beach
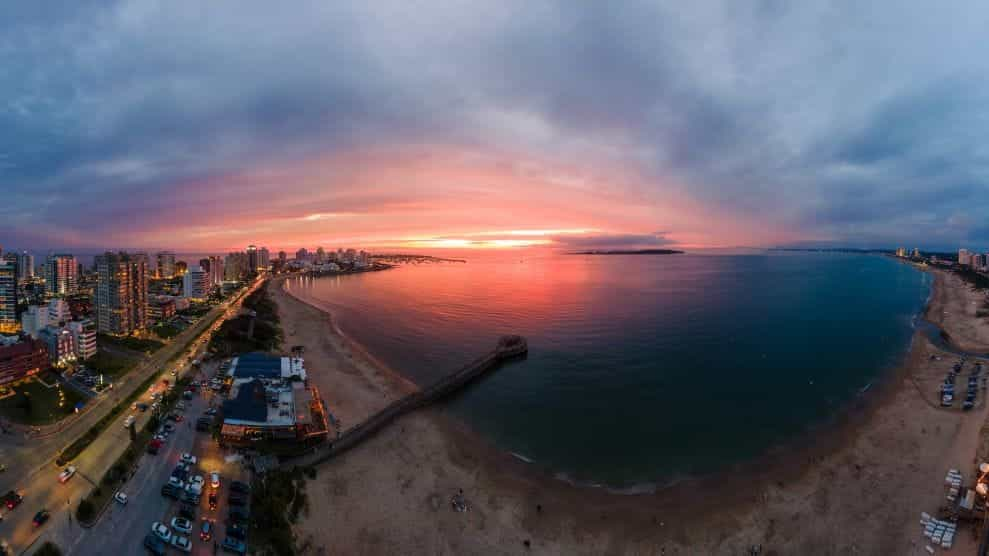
854	487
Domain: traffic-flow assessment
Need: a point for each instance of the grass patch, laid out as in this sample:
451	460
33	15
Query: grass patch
110	364
35	404
166	331
129	342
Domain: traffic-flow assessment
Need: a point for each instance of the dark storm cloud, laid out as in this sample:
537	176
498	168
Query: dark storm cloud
844	122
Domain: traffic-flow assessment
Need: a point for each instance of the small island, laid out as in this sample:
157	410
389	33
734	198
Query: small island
631	252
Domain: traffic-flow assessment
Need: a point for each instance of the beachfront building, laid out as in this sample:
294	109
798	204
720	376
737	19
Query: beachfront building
22	359
270	401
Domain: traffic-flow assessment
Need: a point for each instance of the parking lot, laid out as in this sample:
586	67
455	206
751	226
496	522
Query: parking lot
127	525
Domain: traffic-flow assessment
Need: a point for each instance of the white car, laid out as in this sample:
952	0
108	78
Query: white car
176	482
194	488
189	458
121	498
161	531
197	480
214	479
182	543
129	421
67	474
182	525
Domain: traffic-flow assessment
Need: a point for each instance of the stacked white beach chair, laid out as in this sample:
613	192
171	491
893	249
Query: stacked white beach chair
953	483
941	533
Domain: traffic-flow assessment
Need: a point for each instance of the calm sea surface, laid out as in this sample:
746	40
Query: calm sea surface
642	369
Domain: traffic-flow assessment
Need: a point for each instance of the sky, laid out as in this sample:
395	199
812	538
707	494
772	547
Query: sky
196	125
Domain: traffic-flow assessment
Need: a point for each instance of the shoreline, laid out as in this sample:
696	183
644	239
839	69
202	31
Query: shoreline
681	516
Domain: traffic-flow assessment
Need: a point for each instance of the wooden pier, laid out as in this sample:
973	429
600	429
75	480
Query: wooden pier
508	347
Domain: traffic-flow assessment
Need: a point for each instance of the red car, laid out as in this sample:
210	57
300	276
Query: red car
12	500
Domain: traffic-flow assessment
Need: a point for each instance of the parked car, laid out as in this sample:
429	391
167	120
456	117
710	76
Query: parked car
231	544
66	474
182	525
155	545
170	492
187	511
182	543
121	498
176	482
237	532
189	459
237	515
161	531
238	486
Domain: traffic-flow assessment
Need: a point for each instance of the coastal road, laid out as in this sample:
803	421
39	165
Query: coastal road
29	461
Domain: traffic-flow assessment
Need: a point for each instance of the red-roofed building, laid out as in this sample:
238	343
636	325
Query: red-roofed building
22	359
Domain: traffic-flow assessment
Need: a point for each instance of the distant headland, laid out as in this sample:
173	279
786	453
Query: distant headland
631	252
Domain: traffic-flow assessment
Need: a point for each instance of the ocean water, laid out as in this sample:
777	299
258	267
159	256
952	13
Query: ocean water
642	369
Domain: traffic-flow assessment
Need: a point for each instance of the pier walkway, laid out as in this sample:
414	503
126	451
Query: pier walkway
508	347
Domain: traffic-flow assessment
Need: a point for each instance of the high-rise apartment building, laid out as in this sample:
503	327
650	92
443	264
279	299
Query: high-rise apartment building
234	267
8	296
34	319
165	264
61	274
252	258
195	283
302	255
264	259
25	266
121	293
215	271
84	336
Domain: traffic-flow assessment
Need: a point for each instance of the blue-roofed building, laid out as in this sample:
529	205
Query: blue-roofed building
269	399
265	366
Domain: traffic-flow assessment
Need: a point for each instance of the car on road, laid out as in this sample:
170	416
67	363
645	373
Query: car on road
214	479
212	500
66	474
189	458
182	543
40	518
211	411
161	531
12	499
155	545
206	530
154	445
121	498
231	544
129	421
182	525
238	486
169	427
